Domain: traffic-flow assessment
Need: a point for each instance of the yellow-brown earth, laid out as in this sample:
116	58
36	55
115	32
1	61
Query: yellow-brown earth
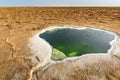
18	25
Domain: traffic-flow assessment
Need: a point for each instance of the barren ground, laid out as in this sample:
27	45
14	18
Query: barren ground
17	25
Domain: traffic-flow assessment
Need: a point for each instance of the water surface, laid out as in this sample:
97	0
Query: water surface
76	42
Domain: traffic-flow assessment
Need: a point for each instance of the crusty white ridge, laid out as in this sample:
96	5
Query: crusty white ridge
42	50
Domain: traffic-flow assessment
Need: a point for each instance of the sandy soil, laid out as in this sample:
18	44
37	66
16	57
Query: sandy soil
18	25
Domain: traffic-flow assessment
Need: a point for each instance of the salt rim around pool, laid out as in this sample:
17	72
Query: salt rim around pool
43	50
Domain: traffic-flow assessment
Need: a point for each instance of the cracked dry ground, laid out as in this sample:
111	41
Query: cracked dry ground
17	25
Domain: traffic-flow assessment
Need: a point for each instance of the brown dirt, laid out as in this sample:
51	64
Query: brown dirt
17	25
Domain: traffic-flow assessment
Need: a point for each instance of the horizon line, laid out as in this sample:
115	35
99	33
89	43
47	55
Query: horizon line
59	6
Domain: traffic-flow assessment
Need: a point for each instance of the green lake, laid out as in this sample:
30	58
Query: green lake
70	42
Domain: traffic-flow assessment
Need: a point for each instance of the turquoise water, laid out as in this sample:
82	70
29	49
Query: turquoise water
74	42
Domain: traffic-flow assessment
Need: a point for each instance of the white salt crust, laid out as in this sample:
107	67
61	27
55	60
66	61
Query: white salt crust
43	50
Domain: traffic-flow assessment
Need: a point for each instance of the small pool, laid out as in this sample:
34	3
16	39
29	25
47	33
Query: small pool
70	42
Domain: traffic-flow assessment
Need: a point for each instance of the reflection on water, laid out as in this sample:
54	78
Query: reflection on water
74	42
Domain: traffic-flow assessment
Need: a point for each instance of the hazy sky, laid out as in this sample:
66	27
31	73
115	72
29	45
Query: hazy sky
59	2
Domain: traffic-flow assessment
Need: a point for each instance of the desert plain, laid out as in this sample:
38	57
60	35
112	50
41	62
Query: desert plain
19	24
